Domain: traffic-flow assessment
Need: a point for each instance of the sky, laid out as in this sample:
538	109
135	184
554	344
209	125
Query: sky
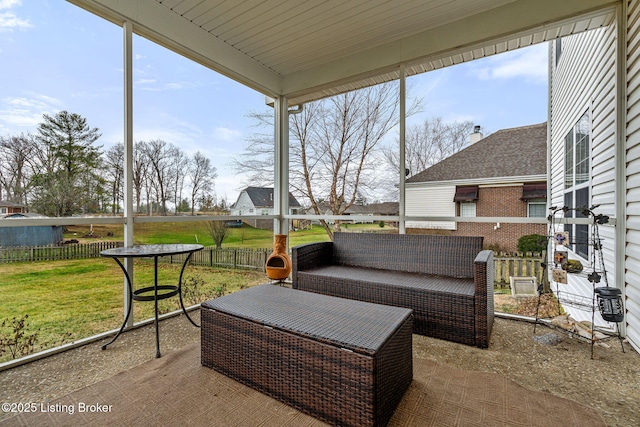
55	56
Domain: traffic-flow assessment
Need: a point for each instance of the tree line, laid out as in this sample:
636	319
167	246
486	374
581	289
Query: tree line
339	154
61	171
338	157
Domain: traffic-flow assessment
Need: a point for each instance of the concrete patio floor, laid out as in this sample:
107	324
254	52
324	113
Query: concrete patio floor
607	383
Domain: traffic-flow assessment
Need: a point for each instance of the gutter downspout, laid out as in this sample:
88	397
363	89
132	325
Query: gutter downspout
298	110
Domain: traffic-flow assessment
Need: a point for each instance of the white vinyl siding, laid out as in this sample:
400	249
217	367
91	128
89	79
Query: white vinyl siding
435	200
584	81
243	205
632	244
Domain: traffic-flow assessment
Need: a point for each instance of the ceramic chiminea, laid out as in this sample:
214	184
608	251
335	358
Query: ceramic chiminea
278	265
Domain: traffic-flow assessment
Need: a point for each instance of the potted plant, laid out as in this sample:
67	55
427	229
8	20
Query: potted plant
573	266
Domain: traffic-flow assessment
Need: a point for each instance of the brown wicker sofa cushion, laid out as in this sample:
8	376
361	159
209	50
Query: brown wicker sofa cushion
451	256
452	285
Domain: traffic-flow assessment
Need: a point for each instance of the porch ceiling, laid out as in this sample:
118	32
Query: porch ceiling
309	49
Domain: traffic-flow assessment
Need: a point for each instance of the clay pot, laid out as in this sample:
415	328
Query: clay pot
278	265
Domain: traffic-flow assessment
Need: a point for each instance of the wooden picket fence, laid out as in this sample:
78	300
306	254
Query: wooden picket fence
225	258
529	265
505	265
55	253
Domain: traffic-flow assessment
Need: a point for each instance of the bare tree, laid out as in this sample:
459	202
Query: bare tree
429	143
159	156
218	230
178	172
140	172
333	142
114	168
16	163
202	175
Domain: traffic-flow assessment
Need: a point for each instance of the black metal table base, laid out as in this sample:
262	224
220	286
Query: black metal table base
159	292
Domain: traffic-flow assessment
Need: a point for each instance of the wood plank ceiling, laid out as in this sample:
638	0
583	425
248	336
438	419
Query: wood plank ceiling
308	49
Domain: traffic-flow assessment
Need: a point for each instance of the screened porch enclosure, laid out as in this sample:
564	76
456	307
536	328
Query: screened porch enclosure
297	52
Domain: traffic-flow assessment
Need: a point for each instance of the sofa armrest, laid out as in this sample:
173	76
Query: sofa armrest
308	256
483	278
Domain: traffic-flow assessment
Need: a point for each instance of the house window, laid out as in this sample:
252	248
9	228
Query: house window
535	194
537	209
468	209
3	210
576	182
466	197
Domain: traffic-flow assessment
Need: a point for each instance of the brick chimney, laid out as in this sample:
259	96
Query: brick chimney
476	135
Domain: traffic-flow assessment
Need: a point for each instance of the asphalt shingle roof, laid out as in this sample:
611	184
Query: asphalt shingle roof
263	197
517	151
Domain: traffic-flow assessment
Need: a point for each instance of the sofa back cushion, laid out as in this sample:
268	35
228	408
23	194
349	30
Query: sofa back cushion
416	253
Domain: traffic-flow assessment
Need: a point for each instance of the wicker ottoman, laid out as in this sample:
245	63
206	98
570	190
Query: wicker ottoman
343	361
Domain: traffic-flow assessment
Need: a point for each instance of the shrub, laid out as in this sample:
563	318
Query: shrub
532	243
15	337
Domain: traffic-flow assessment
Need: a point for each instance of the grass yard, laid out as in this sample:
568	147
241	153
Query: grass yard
196	232
69	300
74	299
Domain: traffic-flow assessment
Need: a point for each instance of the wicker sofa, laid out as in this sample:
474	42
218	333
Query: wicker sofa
446	280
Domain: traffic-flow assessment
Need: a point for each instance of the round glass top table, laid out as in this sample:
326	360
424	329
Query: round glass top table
156	292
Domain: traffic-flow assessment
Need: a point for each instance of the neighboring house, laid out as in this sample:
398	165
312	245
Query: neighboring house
259	201
372	209
7	208
502	175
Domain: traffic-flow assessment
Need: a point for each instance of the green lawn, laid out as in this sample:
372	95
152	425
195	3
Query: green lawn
69	300
196	232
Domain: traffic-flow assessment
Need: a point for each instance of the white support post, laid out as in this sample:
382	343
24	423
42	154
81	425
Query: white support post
128	162
281	166
402	162
620	153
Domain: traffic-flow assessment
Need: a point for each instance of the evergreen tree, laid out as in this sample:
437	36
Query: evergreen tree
68	179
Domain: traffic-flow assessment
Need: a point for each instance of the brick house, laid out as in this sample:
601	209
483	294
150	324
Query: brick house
8	208
502	175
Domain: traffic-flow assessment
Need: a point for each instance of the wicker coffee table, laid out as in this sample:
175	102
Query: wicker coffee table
343	361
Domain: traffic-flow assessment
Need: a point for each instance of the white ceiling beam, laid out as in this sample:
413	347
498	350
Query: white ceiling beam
513	18
158	24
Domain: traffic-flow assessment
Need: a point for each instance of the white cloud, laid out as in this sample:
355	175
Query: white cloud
529	63
8	4
9	21
226	134
27	112
169	128
148	85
